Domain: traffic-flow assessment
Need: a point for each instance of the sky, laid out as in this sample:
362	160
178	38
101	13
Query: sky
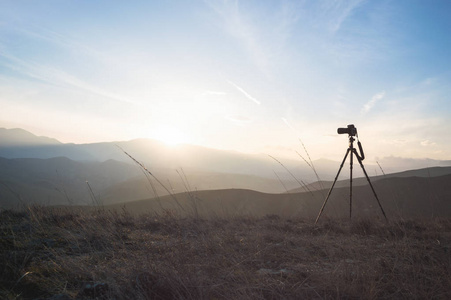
249	76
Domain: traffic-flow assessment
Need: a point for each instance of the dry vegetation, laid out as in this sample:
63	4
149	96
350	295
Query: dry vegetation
59	253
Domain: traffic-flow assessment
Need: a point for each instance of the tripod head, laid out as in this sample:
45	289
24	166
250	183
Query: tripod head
351	130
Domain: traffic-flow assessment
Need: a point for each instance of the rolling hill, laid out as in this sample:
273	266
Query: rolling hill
425	172
400	197
62	181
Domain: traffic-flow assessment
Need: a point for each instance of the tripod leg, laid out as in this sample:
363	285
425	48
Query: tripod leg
350	184
331	188
372	188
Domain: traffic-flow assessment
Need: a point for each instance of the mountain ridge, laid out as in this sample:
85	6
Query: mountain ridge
156	154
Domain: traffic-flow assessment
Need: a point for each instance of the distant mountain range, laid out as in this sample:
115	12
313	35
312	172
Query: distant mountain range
18	143
43	170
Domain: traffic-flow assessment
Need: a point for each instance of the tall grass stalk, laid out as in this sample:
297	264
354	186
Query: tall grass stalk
300	182
185	184
17	195
382	170
398	210
281	182
154	190
192	198
153	176
311	165
186	179
149	180
64	189
95	201
432	195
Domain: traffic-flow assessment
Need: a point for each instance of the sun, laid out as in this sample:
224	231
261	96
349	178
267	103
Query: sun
170	136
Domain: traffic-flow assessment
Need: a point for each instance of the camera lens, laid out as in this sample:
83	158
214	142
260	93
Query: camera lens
343	131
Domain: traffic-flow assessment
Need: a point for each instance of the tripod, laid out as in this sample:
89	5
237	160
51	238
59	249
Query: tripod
351	150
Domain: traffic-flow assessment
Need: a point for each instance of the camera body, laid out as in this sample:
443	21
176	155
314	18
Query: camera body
351	130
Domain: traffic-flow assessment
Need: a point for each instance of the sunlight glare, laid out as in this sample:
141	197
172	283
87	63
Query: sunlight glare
170	136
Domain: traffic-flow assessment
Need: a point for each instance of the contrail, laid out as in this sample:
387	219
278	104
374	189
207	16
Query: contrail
288	124
244	92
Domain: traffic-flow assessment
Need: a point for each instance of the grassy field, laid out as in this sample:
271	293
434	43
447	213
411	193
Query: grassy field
75	254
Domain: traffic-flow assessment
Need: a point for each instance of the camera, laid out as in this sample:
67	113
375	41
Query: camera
351	130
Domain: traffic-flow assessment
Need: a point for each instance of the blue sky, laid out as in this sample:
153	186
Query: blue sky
251	76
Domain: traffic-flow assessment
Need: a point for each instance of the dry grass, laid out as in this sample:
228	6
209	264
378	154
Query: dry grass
114	255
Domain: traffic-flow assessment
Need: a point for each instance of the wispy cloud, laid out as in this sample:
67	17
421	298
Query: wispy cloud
54	76
57	76
336	12
244	93
56	38
239	119
62	41
370	104
238	26
262	33
334	22
427	143
429	81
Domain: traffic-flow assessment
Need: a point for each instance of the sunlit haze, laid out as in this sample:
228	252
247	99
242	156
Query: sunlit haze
249	76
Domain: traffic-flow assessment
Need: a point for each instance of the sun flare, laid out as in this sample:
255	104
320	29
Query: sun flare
170	136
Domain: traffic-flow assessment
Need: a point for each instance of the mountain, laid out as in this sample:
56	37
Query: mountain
18	143
18	137
152	153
